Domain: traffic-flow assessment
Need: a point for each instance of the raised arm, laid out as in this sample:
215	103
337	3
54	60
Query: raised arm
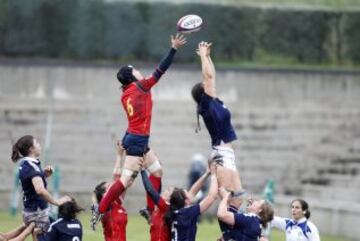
212	66
155	196
20	233
279	223
24	234
195	188
13	233
119	161
176	42
223	214
207	68
213	190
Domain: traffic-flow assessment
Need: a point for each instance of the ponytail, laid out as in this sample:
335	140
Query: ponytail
177	201
197	92
22	147
198	127
15	155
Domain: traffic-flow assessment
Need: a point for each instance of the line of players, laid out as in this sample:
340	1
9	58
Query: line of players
173	216
178	213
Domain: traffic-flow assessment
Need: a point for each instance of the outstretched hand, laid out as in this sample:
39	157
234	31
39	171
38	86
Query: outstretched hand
64	199
48	171
177	41
203	49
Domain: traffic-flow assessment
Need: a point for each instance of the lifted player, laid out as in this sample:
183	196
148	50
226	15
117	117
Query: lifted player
137	103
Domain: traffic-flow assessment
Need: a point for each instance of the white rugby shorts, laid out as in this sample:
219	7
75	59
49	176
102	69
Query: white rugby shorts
228	155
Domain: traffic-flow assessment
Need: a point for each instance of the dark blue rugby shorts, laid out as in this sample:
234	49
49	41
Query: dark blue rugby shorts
135	145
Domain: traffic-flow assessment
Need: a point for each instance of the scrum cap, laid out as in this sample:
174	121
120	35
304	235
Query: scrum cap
125	75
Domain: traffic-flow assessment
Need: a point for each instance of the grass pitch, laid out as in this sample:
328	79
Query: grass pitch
138	229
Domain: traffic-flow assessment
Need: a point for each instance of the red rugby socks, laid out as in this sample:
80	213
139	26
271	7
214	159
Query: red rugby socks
114	192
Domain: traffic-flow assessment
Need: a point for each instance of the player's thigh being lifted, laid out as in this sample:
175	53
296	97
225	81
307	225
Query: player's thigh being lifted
130	169
152	163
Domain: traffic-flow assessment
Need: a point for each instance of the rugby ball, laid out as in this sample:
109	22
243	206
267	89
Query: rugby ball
189	23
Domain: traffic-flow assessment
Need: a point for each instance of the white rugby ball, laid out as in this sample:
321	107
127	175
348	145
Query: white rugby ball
189	23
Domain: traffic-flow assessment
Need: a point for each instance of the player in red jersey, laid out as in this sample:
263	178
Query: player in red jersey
159	229
114	220
137	103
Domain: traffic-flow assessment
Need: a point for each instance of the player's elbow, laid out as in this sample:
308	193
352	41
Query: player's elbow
102	207
224	216
40	190
209	77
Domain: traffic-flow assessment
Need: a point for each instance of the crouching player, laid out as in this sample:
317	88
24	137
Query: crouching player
67	227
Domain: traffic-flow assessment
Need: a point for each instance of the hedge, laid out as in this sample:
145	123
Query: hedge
95	29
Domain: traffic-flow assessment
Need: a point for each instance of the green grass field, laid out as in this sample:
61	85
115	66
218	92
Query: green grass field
138	229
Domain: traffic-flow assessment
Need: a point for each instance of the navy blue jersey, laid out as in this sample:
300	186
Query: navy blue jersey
227	230
247	227
63	230
28	169
217	120
184	225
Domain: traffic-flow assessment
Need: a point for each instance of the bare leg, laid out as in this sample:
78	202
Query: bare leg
228	178
132	164
150	158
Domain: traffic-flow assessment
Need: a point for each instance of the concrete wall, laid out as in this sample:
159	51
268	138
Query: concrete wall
290	125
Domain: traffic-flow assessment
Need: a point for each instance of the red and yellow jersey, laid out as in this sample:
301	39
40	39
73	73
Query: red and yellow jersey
114	222
137	103
159	230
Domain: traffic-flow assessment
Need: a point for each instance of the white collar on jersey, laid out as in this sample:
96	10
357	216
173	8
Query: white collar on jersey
251	215
27	158
301	220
